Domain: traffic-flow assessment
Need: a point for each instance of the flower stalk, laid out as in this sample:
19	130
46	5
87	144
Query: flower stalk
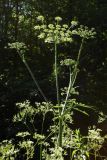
58	98
56	75
33	77
73	77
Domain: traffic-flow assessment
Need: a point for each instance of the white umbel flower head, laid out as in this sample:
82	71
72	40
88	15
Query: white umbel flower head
74	23
40	18
58	19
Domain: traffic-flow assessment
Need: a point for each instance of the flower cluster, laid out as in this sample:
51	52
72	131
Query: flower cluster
23	134
85	32
102	117
26	110
56	154
74	23
28	145
38	137
68	62
19	46
40	18
61	33
55	33
7	150
95	140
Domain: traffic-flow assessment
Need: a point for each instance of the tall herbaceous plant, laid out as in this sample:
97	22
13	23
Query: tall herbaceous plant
58	33
58	141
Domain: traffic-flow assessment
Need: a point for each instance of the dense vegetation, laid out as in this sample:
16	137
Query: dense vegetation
19	81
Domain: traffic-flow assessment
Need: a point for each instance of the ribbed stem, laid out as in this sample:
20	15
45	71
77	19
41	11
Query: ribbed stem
56	75
58	98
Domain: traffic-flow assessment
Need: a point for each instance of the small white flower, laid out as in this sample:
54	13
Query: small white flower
43	26
51	26
23	134
40	18
65	25
37	27
62	33
41	36
49	40
58	19
63	29
74	32
69	39
74	23
58	26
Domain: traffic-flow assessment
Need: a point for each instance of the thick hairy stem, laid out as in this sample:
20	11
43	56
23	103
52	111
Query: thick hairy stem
58	99
73	76
56	75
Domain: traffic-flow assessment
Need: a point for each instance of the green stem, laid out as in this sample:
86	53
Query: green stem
42	134
56	75
95	155
58	99
73	76
80	50
68	92
34	79
36	83
60	132
41	151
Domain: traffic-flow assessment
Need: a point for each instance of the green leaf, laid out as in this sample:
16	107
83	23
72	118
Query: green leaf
77	109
